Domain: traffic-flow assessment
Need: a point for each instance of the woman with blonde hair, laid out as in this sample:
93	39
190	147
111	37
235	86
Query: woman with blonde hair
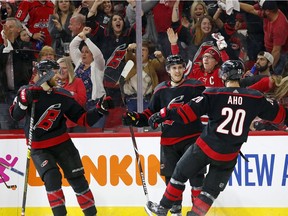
200	34
74	85
275	87
46	53
197	10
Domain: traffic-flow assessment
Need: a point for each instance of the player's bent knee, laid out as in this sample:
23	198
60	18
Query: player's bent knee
52	179
78	184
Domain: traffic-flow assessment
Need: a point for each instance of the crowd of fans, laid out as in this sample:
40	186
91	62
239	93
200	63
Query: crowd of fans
92	41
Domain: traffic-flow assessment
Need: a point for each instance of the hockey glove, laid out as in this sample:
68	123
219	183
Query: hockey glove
104	104
158	118
130	118
27	95
220	40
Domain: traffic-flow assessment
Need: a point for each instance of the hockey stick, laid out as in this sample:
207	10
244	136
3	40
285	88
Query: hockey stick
41	80
124	73
140	168
28	159
12	169
13	187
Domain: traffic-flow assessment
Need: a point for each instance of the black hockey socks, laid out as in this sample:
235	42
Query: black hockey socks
195	191
202	204
173	193
86	202
57	202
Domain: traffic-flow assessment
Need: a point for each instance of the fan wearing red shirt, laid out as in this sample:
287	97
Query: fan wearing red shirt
35	16
208	71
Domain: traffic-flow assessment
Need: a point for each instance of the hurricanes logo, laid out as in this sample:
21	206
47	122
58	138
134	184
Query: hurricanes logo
44	163
117	56
174	103
48	117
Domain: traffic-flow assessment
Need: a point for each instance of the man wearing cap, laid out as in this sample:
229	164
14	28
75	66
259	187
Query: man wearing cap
208	70
275	40
261	69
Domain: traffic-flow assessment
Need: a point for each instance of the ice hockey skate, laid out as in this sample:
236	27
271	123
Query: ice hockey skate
176	210
190	213
157	209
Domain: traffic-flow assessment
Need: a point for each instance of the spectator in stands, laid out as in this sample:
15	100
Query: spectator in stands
120	7
89	63
3	15
46	53
162	16
85	7
3	10
113	42
197	10
235	31
58	25
75	86
274	87
208	71
275	41
149	76
76	24
25	40
192	39
260	70
205	68
15	71
101	12
34	15
11	9
263	65
24	36
148	24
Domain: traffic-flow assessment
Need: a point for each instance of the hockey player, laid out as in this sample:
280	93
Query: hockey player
231	110
51	144
175	137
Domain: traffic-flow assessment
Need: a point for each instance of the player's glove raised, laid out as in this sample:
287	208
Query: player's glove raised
158	118
104	104
130	118
28	94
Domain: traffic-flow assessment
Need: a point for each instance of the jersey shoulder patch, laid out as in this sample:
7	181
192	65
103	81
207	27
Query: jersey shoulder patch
194	82
253	92
161	85
236	91
63	91
214	90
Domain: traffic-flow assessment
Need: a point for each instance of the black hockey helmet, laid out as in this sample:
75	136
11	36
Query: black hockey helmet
173	60
231	70
46	65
